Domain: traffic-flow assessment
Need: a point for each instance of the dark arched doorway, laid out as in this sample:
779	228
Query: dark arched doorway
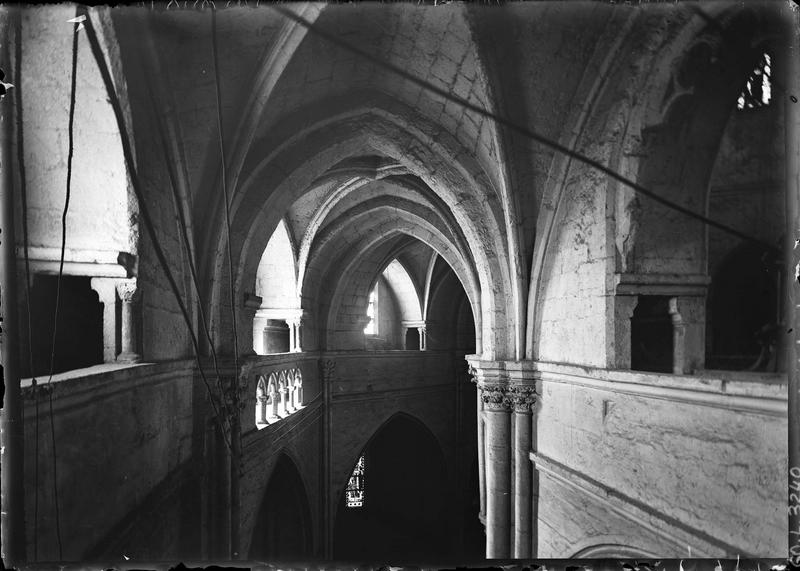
406	498
742	311
283	528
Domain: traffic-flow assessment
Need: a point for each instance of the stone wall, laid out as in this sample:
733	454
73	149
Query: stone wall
669	465
572	298
123	438
98	214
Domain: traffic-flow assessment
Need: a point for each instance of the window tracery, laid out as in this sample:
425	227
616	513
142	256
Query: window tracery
758	89
354	493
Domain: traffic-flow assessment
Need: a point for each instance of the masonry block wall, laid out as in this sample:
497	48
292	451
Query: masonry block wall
681	462
123	449
573	294
98	218
364	166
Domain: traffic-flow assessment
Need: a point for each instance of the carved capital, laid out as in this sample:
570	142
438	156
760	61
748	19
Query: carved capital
328	369
523	397
473	375
495	397
128	290
295	320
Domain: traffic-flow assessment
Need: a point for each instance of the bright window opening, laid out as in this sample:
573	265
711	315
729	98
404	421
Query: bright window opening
355	486
372	313
758	90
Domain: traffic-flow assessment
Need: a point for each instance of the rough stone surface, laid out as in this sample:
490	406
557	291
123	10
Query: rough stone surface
540	262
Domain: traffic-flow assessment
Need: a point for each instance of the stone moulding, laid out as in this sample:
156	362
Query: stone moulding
766	398
665	527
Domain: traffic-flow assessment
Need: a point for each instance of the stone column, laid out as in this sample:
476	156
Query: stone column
259	333
283	409
423	342
107	292
623	312
292	341
129	294
294	324
688	315
261	399
248	341
481	450
274	396
678	333
288	398
497	407
523	399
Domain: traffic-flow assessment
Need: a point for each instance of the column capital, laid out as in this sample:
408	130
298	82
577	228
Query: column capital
495	397
523	397
294	320
128	290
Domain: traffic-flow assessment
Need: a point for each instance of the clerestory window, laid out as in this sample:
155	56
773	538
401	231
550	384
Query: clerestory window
758	89
372	313
354	493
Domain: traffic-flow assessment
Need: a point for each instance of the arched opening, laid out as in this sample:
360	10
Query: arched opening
746	192
748	280
449	311
405	498
79	334
283	527
412	339
276	280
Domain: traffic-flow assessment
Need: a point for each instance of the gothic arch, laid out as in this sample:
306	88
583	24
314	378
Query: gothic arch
377	125
284	527
405	511
666	141
405	290
342	268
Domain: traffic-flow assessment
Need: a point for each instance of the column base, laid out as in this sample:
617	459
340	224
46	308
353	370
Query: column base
129	358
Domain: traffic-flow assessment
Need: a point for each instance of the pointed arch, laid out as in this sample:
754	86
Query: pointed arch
404	289
406	496
283	529
372	123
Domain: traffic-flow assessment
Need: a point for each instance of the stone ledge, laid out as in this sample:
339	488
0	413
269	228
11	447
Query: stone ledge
761	394
79	386
78	261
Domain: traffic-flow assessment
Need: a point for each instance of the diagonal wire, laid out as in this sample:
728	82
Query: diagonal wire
236	450
185	237
736	43
143	209
518	128
68	193
235	393
174	185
